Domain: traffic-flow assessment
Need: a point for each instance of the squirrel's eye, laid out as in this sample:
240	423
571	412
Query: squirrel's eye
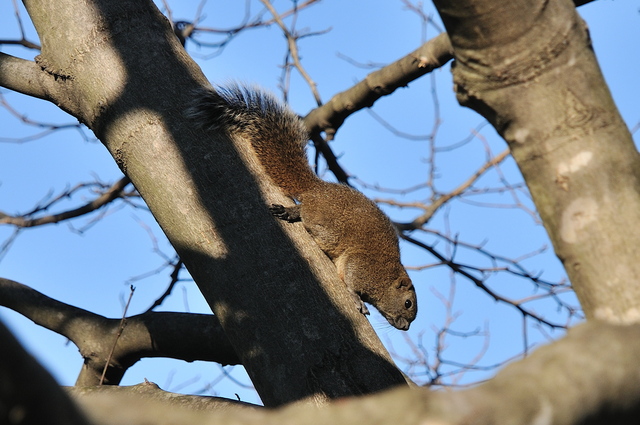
408	304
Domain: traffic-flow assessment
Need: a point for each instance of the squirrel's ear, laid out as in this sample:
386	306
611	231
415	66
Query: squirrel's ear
404	282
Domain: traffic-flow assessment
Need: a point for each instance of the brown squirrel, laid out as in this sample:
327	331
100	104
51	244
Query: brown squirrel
348	227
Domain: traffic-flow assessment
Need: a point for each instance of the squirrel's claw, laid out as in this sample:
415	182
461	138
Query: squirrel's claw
360	305
290	214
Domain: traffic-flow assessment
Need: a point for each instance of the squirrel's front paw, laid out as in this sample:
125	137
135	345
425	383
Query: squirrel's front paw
279	211
290	214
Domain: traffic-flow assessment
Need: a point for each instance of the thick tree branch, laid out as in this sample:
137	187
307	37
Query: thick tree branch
22	76
549	387
28	394
328	118
148	391
183	336
431	55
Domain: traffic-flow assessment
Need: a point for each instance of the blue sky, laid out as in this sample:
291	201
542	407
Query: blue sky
94	268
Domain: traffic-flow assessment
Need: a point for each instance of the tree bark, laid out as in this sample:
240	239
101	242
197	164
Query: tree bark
589	377
28	394
184	336
118	68
529	68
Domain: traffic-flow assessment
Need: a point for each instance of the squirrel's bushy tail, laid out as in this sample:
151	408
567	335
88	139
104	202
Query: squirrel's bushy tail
277	135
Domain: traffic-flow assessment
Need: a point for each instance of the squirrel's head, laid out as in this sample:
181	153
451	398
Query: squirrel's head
382	283
399	304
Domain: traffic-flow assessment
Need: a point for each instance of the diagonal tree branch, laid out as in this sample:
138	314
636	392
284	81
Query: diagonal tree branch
113	193
330	116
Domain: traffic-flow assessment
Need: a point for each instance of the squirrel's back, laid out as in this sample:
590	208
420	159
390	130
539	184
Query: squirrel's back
277	135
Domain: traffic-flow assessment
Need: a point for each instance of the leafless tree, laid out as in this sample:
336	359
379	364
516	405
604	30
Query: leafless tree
526	67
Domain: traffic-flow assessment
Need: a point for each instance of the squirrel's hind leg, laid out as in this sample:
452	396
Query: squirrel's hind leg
360	305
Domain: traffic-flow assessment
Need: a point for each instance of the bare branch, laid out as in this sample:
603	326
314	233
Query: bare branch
22	42
22	76
175	277
150	391
426	19
114	192
123	323
23	39
155	334
292	42
191	30
481	284
330	116
323	147
48	127
441	200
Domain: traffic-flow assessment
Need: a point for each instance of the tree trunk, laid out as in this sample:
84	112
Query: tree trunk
528	67
118	67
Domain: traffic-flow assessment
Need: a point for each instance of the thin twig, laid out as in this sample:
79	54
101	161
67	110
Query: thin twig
292	40
114	192
123	323
175	277
481	284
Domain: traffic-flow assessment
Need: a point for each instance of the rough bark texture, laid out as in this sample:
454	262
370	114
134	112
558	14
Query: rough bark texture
118	67
591	376
528	67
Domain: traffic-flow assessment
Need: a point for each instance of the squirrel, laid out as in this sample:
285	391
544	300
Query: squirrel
352	231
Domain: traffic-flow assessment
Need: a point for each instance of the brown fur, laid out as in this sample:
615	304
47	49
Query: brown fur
349	227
